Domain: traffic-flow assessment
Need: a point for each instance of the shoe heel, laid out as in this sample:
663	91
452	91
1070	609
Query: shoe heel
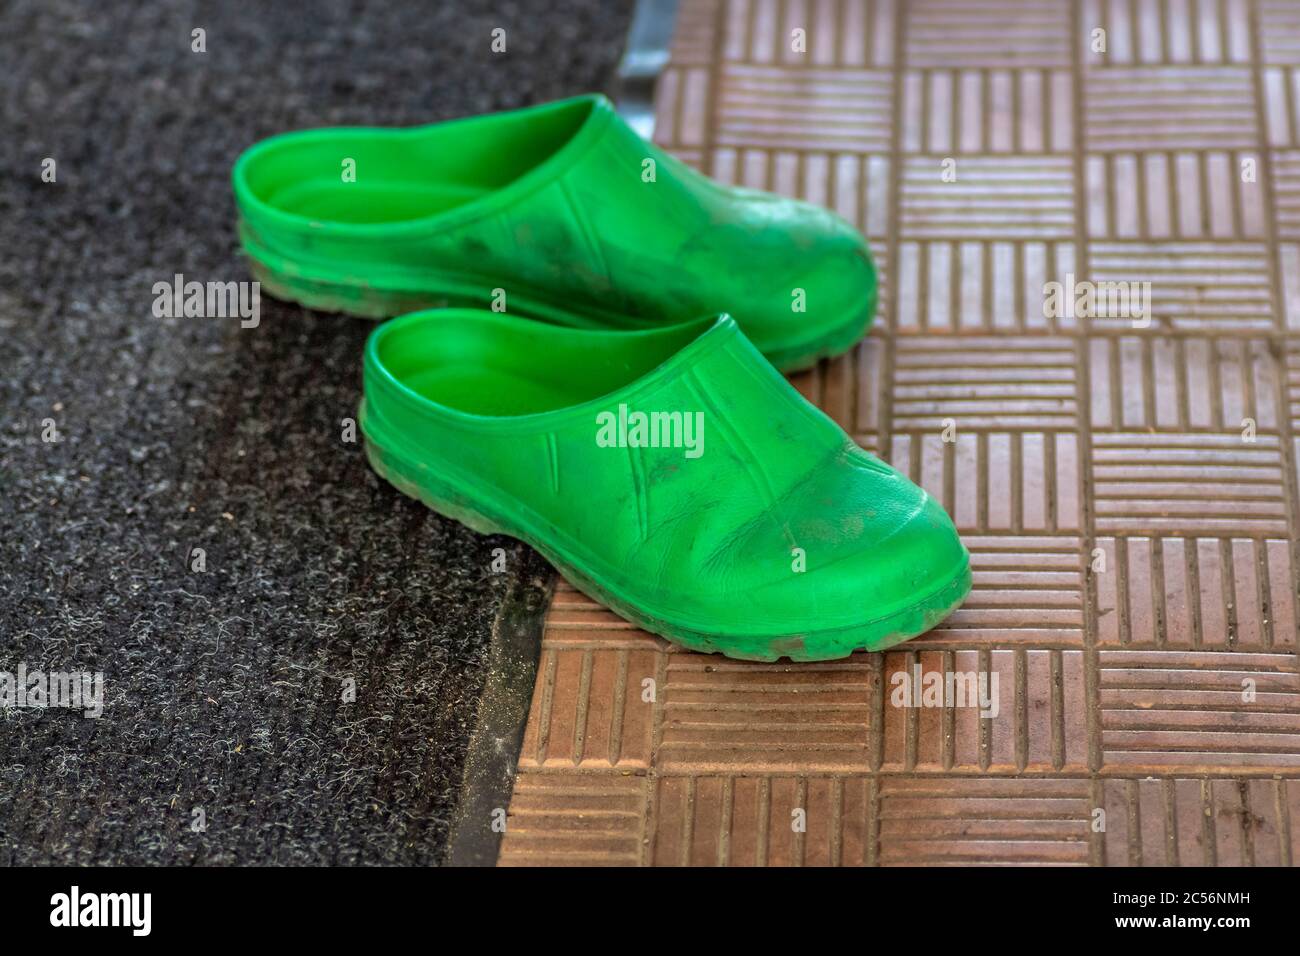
422	484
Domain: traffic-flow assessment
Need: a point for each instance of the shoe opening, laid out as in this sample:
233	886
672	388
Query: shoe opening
483	364
374	176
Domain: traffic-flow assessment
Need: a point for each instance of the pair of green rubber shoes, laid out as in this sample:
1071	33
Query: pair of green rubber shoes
665	466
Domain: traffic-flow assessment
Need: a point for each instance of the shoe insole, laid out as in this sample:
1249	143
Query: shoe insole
372	202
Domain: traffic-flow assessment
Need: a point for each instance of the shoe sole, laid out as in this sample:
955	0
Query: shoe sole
418	482
369	302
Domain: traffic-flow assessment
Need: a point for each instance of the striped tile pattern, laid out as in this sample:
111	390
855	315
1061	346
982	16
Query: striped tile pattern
985	383
1165	32
1288	268
996	736
1279	31
836	33
855	186
1188	383
850	389
947	112
607	723
1169	108
799	820
1211	194
1192	285
938	822
1282	105
982	197
973	285
1181	821
1027	590
720	713
575	820
997	481
1177	591
970	33
778	107
1292	394
1200	482
695	34
680	108
1168	709
1286	165
1125	481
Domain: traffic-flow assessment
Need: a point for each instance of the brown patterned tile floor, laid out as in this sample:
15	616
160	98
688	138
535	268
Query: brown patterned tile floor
1127	490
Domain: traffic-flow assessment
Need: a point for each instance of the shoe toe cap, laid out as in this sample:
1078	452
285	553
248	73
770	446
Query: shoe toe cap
818	284
857	543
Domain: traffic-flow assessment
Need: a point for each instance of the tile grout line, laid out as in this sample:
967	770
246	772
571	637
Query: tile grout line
885	441
649	828
1088	538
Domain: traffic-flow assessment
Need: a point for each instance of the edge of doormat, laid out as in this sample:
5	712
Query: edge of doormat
493	756
494	746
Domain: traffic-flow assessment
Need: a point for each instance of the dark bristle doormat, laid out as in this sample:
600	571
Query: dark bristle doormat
292	652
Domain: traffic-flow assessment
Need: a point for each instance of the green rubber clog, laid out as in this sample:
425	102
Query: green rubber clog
671	474
559	212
